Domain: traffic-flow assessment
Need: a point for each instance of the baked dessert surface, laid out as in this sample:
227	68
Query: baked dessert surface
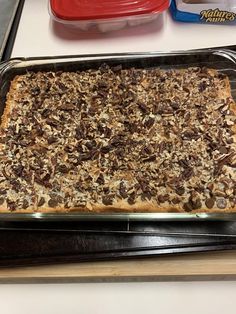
113	139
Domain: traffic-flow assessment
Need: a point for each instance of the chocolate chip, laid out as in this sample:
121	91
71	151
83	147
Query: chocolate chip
37	104
210	202
106	149
200	189
120	152
190	135
143	107
217	170
52	122
18	170
91	144
107	199
46	177
150	159
35	91
27	176
3	191
146	150
2	200
192	204
186	89
208	137
11	205
188	207
107	132
200	115
175	200
44	181
67	107
102	93
146	196
50	75
149	123
62	87
56	197
122	190
223	150
41	201
24	143
187	173
131	198
52	139
100	180
79	133
143	184
202	86
42	150
62	169
230	140
163	198
69	149
15	185
78	186
221	203
106	189
86	156
103	84
25	204
39	130
117	140
180	190
174	105
46	113
162	147
53	203
183	163
197	204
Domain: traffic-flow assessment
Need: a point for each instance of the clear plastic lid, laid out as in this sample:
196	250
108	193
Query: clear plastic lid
104	9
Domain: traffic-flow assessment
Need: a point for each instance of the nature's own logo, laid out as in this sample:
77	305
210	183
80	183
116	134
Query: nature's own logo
217	16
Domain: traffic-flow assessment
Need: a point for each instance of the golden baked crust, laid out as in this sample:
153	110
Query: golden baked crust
119	140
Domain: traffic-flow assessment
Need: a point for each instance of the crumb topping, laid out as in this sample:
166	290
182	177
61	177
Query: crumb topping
119	136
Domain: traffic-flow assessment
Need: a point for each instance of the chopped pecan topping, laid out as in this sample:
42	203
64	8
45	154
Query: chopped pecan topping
113	135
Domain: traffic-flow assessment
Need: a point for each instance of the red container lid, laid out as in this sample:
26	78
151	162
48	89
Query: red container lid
105	9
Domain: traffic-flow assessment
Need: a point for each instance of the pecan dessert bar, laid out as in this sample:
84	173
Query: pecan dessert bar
113	139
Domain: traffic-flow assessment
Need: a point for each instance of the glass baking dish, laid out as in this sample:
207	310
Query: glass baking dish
222	60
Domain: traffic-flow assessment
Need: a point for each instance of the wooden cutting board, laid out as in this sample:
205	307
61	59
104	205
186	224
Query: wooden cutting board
220	265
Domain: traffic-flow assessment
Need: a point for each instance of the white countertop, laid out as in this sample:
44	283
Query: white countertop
116	298
38	36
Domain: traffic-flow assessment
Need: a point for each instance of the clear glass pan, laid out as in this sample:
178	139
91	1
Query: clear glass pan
222	60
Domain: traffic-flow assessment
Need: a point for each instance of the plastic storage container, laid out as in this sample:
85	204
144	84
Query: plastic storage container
106	15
